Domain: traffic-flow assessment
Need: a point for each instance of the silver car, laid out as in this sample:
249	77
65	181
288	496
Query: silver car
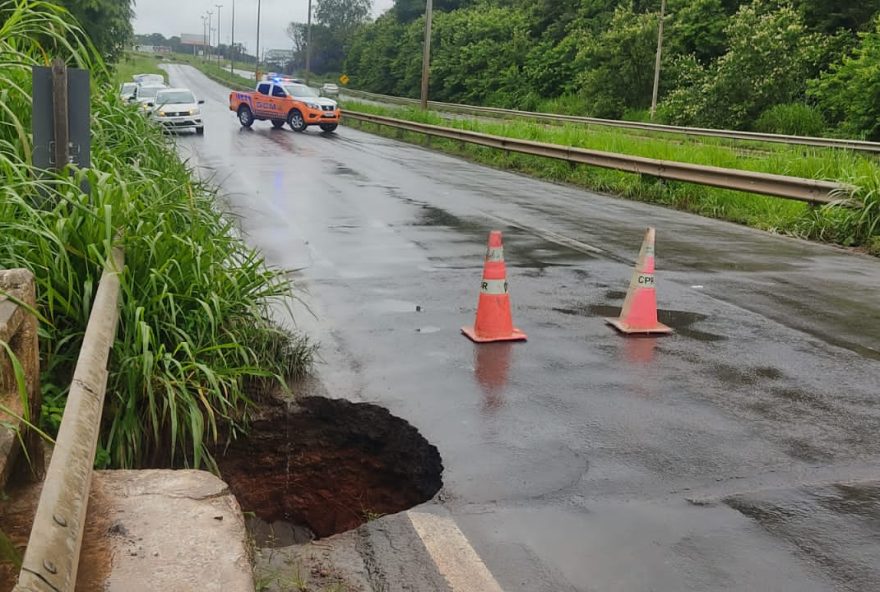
127	91
177	108
329	89
145	94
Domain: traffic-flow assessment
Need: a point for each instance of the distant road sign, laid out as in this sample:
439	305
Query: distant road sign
343	79
187	39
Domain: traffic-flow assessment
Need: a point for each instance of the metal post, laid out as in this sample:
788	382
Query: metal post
426	57
232	43
657	63
210	33
257	67
309	44
204	36
219	56
61	152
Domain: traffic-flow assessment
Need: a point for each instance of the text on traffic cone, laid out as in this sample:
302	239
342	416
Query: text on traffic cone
639	313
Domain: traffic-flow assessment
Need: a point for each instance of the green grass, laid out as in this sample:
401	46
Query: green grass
846	226
137	63
195	341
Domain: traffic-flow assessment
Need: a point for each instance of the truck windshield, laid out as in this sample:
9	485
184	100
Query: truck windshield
300	90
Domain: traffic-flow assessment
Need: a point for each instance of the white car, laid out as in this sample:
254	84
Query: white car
177	108
329	89
127	90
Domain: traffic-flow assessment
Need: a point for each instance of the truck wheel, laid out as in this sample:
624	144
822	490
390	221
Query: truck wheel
277	123
295	121
245	117
329	127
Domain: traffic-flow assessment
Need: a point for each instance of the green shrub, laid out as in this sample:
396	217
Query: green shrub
794	119
195	330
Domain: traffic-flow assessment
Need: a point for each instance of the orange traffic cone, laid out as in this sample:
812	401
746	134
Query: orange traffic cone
494	322
639	314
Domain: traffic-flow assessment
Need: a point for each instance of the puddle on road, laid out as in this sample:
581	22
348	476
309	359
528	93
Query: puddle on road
679	320
326	466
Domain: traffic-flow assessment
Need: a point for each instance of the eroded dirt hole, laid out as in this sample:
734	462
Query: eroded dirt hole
328	465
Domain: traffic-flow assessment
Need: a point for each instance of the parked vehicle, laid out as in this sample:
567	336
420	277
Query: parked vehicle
329	89
127	90
177	108
146	95
284	101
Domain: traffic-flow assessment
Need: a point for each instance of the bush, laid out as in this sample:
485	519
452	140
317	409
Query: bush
194	330
794	119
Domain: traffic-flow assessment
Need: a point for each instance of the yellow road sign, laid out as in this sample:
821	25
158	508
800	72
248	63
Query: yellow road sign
343	79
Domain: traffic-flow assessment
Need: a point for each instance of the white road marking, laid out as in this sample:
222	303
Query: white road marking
550	236
453	555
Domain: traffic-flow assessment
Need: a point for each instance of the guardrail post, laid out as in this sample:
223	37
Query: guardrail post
52	557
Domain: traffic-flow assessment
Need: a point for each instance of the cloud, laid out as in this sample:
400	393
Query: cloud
173	17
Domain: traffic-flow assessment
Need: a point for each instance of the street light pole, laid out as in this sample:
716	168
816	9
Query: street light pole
257	68
219	57
426	57
309	44
657	63
210	33
204	36
232	43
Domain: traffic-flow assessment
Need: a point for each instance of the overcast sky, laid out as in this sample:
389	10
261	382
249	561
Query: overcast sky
173	17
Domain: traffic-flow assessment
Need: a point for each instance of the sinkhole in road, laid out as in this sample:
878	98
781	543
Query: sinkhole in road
325	466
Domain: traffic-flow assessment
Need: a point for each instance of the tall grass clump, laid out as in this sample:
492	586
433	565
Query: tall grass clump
195	335
838	223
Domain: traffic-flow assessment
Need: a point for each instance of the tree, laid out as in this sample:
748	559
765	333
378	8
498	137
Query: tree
850	92
771	55
617	66
106	22
371	56
828	16
697	27
342	17
478	56
406	11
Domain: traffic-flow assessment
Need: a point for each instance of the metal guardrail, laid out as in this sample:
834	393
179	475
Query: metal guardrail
52	556
807	190
855	145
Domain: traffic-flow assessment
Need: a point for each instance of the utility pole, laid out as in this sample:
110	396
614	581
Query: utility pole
210	33
257	68
219	56
204	36
426	57
309	44
232	43
657	63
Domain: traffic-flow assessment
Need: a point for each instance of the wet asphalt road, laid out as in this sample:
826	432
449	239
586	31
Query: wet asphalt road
741	453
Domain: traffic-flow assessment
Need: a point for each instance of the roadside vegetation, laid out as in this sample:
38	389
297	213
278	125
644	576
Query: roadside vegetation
842	225
195	340
133	63
785	66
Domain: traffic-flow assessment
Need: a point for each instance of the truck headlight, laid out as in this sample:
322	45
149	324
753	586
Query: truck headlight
195	111
313	106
